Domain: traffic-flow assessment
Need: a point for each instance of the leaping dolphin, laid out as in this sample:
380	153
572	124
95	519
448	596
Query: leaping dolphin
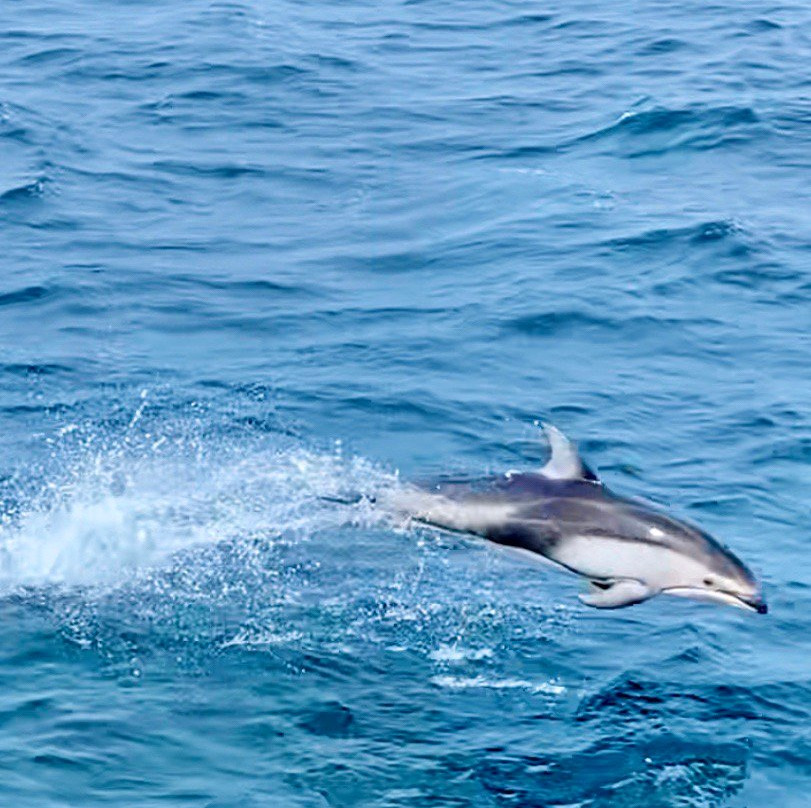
628	551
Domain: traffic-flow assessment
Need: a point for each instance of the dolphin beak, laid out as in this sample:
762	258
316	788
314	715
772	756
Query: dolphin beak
755	602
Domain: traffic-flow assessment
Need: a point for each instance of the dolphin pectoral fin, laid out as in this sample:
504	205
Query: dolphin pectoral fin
615	594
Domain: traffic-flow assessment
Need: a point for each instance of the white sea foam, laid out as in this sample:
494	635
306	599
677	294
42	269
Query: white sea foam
550	688
116	511
457	654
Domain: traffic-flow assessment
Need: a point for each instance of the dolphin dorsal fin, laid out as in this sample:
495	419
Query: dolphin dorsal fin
564	462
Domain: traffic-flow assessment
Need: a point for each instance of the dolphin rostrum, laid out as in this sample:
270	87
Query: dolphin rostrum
627	550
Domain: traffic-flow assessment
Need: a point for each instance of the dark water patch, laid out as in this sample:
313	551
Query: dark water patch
339	63
27	370
662	46
261	730
221	171
54	224
263	75
174	105
13	131
791	118
557	323
259	286
585	25
758	275
62	56
55	760
24	193
667	120
659	772
417	407
695	234
568	69
35	34
196	118
686	256
763	24
148	182
331	720
28	294
713	231
661	703
212	96
531	21
758	421
183	247
551	323
720	504
524	20
90	71
54	408
516	153
24	124
632	699
383	263
657	131
385	313
796	449
35	707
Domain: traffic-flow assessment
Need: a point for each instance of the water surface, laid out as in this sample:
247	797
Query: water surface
258	253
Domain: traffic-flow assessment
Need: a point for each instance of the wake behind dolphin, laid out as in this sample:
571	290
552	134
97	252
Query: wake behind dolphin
627	551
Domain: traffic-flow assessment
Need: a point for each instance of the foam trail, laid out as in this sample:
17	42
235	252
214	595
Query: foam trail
118	512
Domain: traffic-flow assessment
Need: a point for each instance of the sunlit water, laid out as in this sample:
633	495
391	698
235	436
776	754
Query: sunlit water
256	256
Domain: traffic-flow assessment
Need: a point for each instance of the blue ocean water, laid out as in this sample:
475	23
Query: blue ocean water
256	253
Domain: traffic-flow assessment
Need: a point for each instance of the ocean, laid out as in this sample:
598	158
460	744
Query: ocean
256	255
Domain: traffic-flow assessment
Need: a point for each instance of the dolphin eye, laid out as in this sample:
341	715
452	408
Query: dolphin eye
708	582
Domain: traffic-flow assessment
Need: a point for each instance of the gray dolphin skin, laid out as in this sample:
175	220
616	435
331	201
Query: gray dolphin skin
628	551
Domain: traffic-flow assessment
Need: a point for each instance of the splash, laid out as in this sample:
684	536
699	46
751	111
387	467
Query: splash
160	533
104	509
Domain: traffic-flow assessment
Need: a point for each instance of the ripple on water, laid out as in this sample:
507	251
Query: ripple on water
651	132
24	193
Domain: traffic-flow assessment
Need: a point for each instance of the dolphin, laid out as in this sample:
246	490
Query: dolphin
627	550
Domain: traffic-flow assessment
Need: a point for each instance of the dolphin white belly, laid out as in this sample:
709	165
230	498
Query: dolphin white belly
604	558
